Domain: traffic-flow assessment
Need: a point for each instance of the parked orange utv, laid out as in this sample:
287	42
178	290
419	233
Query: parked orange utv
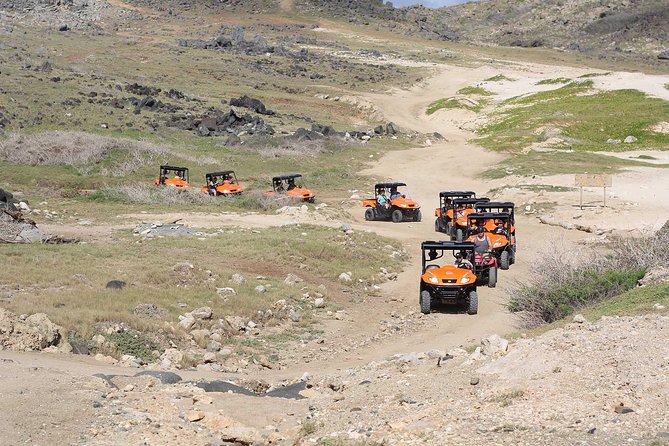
222	183
451	281
179	180
390	204
497	227
292	185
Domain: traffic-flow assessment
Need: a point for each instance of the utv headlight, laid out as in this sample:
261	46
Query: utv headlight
465	280
497	244
403	205
433	280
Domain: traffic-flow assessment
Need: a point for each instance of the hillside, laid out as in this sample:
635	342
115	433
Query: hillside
613	30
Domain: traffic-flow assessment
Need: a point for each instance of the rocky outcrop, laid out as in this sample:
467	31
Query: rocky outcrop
27	333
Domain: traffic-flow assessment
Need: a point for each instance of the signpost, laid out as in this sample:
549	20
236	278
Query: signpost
593	180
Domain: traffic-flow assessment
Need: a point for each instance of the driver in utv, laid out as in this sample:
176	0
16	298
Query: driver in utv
462	262
482	242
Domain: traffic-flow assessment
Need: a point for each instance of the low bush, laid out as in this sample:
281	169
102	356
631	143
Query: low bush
563	281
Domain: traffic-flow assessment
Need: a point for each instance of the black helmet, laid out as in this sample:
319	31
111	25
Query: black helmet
480	231
458	255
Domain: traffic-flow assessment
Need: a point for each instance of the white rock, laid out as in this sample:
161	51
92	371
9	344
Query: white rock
260	289
226	291
579	319
319	303
237	279
346	277
630	139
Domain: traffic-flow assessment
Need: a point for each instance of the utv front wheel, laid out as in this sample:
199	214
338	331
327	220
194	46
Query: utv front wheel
425	302
473	304
504	260
418	217
369	214
492	277
397	216
437	225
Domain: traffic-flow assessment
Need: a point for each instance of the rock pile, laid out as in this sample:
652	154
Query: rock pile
219	123
16	229
27	333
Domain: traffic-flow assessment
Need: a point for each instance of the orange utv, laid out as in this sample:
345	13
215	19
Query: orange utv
293	186
173	176
222	183
390	204
444	213
507	207
497	227
454	216
451	281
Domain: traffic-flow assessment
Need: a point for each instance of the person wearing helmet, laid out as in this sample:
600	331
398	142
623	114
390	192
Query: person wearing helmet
499	227
462	262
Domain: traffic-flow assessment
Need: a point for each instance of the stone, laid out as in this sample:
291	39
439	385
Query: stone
260	289
474	381
664	55
621	409
630	139
346	277
579	319
150	311
200	336
186	321
183	268
655	275
209	357
202	313
195	415
226	291
319	303
292	279
494	345
237	279
613	141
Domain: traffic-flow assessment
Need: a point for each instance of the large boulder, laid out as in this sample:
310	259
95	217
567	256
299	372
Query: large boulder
35	332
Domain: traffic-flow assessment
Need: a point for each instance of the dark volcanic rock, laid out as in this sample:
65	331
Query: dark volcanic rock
254	104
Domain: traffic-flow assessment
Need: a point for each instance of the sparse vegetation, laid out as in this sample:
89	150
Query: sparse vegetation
557	80
564	281
135	344
587	118
479	91
589	75
450	103
499	78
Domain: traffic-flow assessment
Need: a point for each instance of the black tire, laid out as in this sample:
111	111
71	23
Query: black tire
504	260
397	216
437	224
448	229
418	217
492	277
369	214
425	302
473	303
458	235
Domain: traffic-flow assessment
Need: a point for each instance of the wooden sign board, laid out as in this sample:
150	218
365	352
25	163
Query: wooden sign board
593	180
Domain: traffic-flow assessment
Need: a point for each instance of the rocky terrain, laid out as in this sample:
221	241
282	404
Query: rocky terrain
170	317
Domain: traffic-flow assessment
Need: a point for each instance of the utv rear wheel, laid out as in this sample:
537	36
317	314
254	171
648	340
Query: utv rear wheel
418	217
448	230
425	302
369	214
492	277
504	260
397	216
437	225
458	235
473	304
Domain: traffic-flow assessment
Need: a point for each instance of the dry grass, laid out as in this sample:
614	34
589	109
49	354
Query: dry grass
116	157
285	147
563	280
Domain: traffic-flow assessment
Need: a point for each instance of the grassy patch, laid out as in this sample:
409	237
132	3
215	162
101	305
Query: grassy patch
67	282
135	344
556	163
499	78
479	91
641	300
450	103
533	188
554	81
587	118
590	75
